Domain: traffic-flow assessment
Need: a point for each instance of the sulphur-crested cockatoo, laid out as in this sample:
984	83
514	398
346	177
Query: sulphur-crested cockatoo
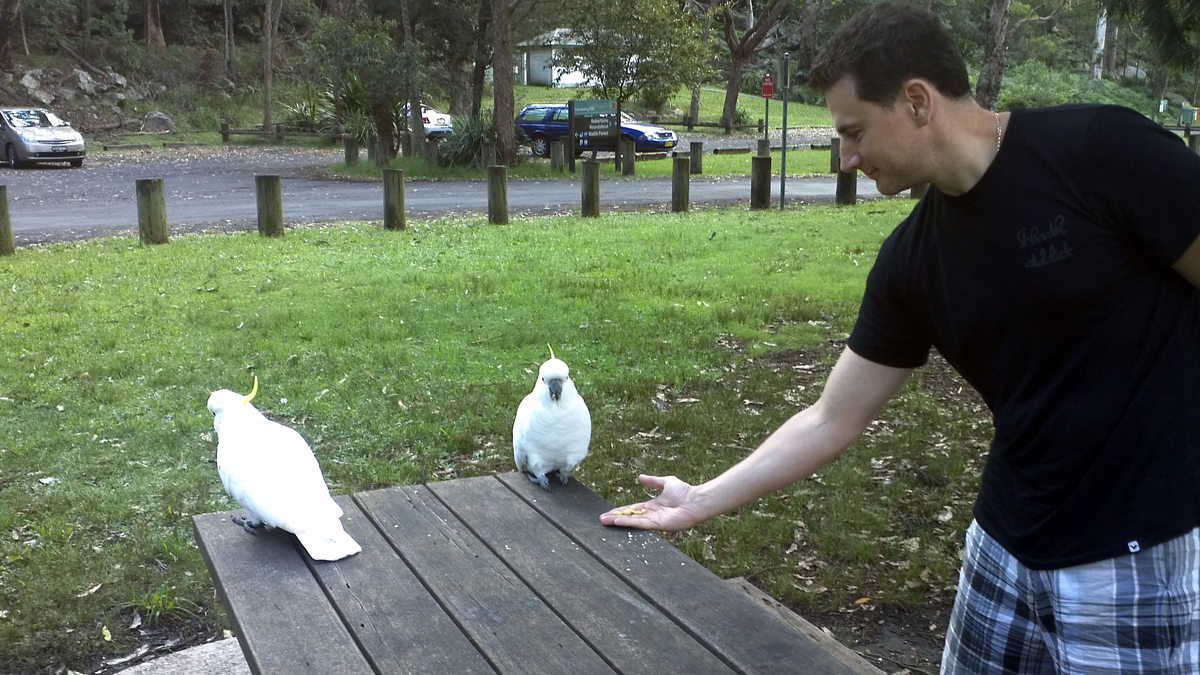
553	426
272	473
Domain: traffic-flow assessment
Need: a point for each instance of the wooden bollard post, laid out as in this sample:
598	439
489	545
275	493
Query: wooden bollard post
381	153
760	182
7	246
351	143
372	145
697	158
270	205
497	179
680	175
628	157
835	155
558	160
431	154
152	211
764	147
224	132
1194	142
847	188
279	133
591	188
918	191
393	199
487	152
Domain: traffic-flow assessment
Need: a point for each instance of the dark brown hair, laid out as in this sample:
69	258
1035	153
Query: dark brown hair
882	46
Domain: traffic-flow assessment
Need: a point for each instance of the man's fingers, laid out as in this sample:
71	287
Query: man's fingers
653	482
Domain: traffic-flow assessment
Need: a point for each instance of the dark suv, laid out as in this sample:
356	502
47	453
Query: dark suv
543	123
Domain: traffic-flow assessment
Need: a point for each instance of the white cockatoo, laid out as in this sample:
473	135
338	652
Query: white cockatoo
553	426
272	473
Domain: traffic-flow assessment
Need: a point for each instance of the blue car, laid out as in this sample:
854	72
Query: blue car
543	123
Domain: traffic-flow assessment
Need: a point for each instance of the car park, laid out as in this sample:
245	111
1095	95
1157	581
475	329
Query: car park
35	135
542	124
437	124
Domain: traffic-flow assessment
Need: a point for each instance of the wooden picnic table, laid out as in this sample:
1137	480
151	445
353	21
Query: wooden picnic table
495	575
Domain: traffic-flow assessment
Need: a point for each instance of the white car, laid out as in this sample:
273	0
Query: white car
32	135
437	124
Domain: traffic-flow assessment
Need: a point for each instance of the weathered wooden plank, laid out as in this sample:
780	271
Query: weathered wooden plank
856	663
634	636
282	618
749	640
396	622
509	624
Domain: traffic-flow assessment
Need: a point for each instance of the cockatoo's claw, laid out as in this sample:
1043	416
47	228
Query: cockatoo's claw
540	480
564	476
248	524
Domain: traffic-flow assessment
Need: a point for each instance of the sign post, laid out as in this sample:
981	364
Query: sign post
596	120
768	90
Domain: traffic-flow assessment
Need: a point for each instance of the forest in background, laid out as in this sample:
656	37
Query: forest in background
354	63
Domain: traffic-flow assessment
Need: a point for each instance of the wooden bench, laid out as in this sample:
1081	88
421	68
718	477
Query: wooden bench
495	575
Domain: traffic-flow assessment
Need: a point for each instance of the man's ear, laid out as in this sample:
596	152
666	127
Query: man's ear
916	100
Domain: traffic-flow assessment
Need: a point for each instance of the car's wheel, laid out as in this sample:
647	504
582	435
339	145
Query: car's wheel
76	163
10	154
541	146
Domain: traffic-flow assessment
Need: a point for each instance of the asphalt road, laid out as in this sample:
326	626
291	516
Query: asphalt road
213	187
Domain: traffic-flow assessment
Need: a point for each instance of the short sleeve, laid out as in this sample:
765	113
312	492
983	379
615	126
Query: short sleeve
1150	180
888	330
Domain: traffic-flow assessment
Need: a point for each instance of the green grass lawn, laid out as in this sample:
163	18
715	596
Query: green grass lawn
402	356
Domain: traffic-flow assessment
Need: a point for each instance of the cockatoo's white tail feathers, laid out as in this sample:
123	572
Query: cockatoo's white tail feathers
332	545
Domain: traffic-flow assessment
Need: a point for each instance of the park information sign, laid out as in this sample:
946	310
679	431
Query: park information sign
595	119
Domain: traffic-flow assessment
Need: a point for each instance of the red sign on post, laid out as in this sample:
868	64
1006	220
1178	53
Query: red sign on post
768	87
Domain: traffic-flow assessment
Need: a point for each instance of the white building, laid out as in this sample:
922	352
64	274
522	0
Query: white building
535	61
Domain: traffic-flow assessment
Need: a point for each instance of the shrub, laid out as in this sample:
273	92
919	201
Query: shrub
464	145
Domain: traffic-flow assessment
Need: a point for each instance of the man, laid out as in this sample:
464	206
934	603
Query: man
1054	263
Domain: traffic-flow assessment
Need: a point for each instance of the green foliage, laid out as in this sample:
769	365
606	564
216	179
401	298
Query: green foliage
464	145
1033	84
633	47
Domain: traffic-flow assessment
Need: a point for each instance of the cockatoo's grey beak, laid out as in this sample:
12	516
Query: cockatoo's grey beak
555	388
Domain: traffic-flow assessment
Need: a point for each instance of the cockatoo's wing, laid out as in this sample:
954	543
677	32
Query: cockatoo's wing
272	473
521	431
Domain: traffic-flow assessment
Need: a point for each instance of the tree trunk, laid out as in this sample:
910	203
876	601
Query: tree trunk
152	20
416	123
268	61
694	108
737	69
8	20
743	48
227	64
482	34
1162	77
503	106
991	73
1101	34
1110	49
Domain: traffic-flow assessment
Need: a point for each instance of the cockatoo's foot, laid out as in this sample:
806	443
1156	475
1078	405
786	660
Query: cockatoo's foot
248	524
564	476
540	480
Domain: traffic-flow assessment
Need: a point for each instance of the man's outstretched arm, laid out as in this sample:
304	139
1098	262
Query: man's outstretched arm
857	389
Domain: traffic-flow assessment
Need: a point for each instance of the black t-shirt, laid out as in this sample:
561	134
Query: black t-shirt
1048	287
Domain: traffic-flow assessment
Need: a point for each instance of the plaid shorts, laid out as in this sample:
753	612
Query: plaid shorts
1137	613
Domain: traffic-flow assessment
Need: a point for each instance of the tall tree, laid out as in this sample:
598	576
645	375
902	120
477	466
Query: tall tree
227	61
415	121
270	29
9	9
668	49
743	46
503	105
152	21
995	53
